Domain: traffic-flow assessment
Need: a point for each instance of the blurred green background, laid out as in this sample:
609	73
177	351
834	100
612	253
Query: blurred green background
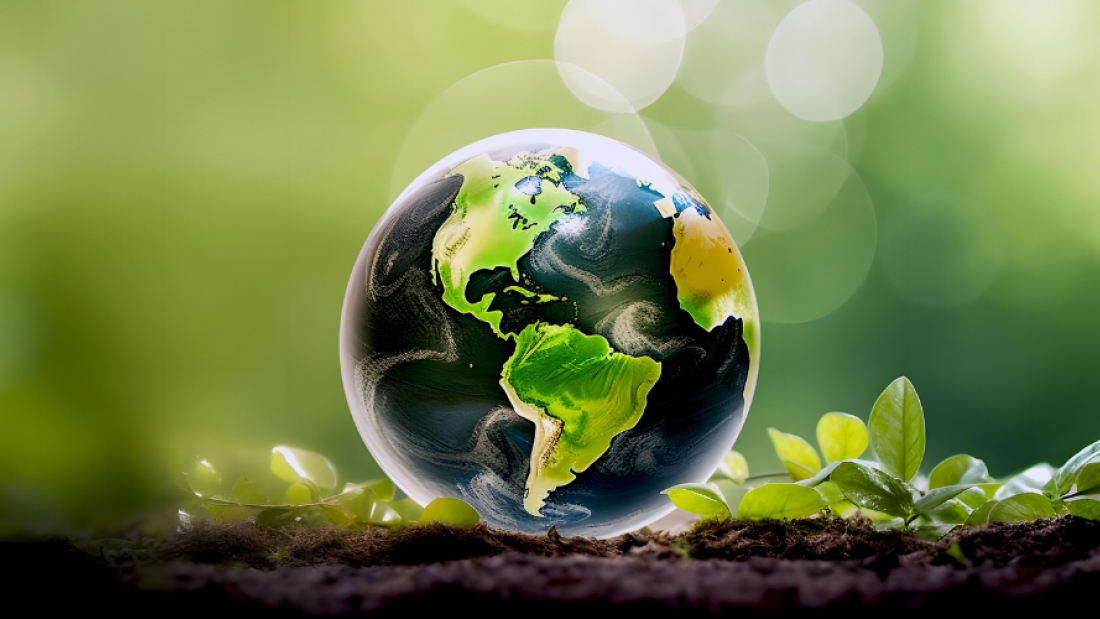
184	187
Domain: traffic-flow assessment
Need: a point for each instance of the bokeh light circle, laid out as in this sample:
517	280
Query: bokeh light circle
824	59
938	251
510	97
635	46
807	273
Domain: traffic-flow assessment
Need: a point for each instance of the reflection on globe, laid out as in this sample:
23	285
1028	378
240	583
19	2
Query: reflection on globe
553	327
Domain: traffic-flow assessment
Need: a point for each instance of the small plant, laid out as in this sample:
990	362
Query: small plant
887	489
311	497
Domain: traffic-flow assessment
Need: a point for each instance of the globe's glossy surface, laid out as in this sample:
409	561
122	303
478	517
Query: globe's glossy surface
553	327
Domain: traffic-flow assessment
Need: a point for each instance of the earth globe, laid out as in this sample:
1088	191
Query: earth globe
554	327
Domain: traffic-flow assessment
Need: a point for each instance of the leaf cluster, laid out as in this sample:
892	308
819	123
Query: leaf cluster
311	499
887	488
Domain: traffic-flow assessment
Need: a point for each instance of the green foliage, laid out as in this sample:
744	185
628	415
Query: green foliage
841	436
897	430
873	489
779	501
1088	480
798	456
733	467
1033	479
454	512
702	499
980	515
973	497
308	499
960	469
1064	478
1022	507
1084	508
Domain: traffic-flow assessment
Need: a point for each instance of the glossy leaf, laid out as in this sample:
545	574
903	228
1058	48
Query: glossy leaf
897	430
297	494
1084	508
819	477
1088	480
936	497
383	514
1021	508
960	469
358	501
779	501
798	456
1030	480
408	509
934	531
247	491
382	489
867	487
203	480
1064	478
952	511
304	467
454	512
702	499
980	515
841	436
830	492
733	467
973	497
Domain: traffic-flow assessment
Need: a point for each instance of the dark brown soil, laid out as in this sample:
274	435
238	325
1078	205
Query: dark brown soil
726	568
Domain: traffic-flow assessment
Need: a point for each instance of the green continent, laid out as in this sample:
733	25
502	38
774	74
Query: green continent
579	393
494	224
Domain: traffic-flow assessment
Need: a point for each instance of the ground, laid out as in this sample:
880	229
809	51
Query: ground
728	568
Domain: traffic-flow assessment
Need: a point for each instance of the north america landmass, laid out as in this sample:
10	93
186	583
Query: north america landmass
574	387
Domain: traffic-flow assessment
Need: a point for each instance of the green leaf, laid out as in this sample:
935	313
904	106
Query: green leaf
702	499
408	509
358	502
1084	508
820	477
454	512
934	531
952	511
733	467
298	494
247	491
203	480
960	469
1065	477
383	489
980	516
841	436
830	492
973	497
1030	480
304	467
230	512
383	514
935	498
779	501
1088	480
1021	508
867	487
799	457
897	430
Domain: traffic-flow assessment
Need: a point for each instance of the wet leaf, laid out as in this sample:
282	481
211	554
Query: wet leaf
980	515
873	489
830	492
1088	480
298	494
702	499
304	467
454	512
960	469
897	430
733	467
1084	508
203	480
1064	478
780	501
934	498
408	509
1030	480
247	491
1021	508
798	456
841	436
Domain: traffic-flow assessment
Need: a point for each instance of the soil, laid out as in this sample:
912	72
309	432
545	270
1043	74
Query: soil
728	568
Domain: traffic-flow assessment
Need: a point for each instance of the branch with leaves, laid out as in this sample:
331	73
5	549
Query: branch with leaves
887	489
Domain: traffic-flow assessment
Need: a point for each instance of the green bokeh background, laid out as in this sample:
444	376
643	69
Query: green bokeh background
184	187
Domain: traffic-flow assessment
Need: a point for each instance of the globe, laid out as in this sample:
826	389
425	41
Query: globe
553	327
